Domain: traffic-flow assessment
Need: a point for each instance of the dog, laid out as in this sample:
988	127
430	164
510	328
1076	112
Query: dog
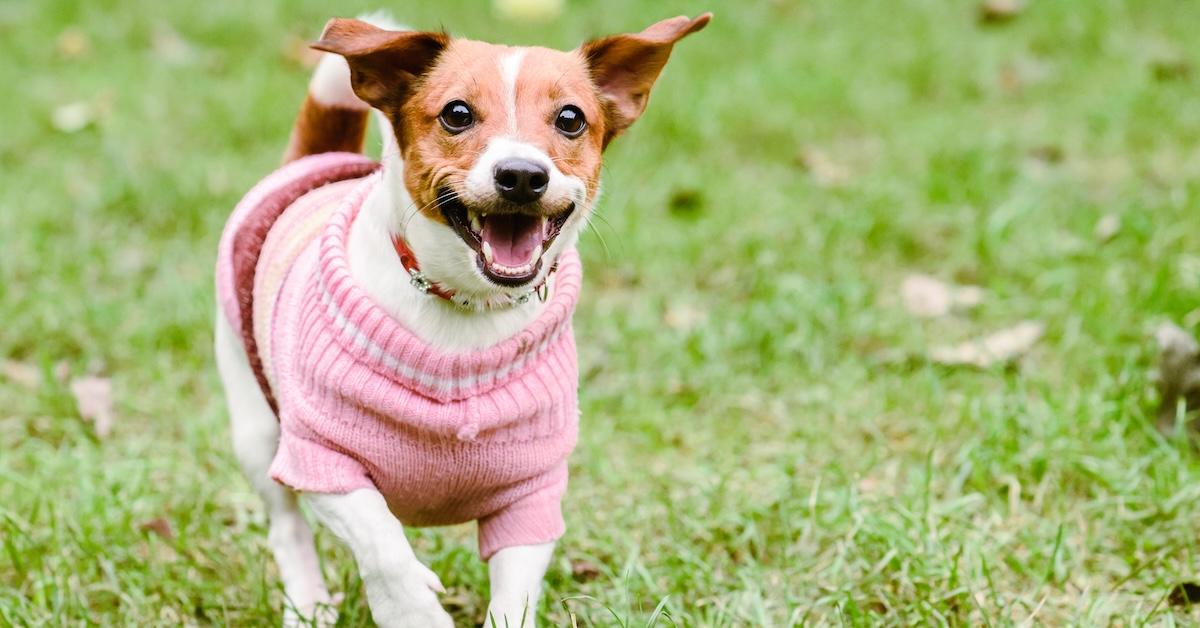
394	338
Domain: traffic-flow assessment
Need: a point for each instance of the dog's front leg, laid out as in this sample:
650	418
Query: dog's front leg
516	575
400	590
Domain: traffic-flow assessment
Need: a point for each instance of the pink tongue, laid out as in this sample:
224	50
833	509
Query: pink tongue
513	237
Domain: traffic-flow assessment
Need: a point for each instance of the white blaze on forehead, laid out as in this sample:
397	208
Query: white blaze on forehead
510	68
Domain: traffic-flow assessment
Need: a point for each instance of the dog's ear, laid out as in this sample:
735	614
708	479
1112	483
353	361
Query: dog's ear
624	67
383	63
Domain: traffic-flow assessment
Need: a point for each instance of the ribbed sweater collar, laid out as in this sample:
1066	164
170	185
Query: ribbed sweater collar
374	338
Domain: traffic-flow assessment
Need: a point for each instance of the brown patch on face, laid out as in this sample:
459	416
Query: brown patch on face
471	72
548	81
412	76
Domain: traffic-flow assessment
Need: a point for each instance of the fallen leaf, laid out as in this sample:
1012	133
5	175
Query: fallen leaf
683	317
73	117
1171	70
93	399
1048	153
584	570
1184	594
824	171
26	375
929	297
686	202
1010	79
62	371
999	11
73	42
1025	72
160	526
1178	373
170	47
1000	347
1107	227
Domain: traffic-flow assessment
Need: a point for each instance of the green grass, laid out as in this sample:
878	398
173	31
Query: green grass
766	464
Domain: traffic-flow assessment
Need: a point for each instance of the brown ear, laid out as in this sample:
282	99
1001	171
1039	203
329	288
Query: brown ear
624	67
383	64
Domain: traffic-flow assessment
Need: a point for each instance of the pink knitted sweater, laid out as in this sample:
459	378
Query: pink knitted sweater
362	402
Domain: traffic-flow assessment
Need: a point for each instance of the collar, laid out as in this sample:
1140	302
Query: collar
419	281
371	336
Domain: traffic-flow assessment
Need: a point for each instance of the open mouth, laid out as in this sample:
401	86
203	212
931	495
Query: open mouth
508	246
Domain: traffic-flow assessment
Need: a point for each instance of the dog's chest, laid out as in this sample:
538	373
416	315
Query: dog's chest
446	437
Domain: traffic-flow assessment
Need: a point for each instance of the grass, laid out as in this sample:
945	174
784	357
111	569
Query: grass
750	454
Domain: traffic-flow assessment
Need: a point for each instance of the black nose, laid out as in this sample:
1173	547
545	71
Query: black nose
521	180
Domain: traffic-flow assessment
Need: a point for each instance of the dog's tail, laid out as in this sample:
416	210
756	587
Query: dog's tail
332	117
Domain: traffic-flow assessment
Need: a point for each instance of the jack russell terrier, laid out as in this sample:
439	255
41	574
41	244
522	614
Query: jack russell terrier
395	338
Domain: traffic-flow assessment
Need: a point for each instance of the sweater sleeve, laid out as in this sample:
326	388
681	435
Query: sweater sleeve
306	465
532	520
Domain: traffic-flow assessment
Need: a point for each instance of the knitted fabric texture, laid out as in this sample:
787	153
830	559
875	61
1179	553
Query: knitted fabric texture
363	403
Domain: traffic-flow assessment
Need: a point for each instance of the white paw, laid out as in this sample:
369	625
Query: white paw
410	601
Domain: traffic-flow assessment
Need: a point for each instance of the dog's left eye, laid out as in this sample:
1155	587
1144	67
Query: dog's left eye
456	117
570	121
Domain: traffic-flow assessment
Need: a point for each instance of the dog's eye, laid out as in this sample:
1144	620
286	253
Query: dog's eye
570	121
456	117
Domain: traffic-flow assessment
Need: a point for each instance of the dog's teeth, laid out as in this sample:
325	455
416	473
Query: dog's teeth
476	224
487	252
537	253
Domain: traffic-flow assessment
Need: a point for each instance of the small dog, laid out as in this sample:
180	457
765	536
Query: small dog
395	339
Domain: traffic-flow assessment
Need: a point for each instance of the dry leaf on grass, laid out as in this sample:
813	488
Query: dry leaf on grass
76	116
1184	594
1000	347
1108	227
1178	372
1048	153
160	526
929	297
93	399
584	570
1171	70
170	47
73	117
824	171
73	43
26	375
684	317
998	11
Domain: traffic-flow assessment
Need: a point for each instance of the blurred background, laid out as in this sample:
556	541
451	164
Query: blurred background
866	335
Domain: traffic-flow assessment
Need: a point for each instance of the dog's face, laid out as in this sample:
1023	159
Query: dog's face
501	145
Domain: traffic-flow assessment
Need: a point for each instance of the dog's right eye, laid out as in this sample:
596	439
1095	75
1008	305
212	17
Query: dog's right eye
456	116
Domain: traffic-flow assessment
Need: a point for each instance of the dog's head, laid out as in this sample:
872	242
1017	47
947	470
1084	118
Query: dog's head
501	145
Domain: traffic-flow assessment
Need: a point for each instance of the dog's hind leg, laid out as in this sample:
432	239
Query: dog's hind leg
255	438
